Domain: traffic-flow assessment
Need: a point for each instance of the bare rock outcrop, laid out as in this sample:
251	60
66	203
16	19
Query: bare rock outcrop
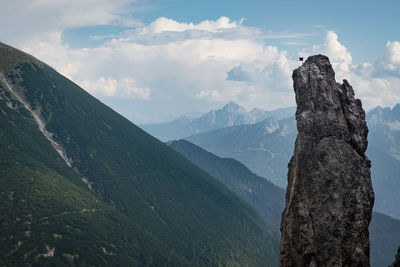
396	263
329	196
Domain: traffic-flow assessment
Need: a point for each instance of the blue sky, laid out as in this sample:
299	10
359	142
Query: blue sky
364	25
155	60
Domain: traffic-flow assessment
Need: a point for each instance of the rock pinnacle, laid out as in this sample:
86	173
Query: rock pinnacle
329	197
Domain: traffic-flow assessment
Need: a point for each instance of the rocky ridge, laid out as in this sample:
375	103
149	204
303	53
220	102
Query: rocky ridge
329	195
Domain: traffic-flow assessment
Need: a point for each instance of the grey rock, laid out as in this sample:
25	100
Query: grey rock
329	197
396	263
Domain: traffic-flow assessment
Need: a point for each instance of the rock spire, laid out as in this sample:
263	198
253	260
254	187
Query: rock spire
329	196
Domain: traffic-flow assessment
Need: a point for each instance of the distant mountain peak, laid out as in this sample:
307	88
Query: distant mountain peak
396	108
229	115
232	106
256	110
183	119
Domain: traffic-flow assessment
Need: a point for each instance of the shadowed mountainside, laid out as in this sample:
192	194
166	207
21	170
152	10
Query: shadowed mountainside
82	185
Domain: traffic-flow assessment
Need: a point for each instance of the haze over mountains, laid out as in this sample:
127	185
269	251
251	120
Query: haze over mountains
81	185
265	148
229	115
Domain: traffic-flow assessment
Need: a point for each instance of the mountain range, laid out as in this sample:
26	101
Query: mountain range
266	147
230	115
268	199
81	185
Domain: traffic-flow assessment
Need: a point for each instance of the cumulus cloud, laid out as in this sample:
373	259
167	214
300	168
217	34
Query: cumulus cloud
168	66
376	83
171	67
390	65
191	69
163	24
163	30
213	94
51	49
22	20
393	49
338	54
380	81
124	88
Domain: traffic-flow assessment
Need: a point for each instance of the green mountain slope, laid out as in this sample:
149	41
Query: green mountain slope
42	210
384	232
268	199
264	196
142	203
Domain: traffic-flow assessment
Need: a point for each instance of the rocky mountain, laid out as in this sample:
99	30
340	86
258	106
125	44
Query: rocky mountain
264	196
265	147
231	114
384	129
384	152
269	200
329	197
81	185
266	154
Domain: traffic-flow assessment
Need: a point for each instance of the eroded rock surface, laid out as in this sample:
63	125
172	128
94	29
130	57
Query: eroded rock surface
329	195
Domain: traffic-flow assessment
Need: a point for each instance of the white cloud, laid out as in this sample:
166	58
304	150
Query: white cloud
189	69
375	83
213	94
188	65
339	57
393	52
22	20
390	65
124	88
379	83
168	25
51	49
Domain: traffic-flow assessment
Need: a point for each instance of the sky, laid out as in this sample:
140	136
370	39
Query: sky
153	61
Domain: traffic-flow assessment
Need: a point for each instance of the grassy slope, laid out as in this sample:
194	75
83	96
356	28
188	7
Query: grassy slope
153	186
41	207
265	197
385	239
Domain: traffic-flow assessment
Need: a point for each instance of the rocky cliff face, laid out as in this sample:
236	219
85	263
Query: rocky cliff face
329	195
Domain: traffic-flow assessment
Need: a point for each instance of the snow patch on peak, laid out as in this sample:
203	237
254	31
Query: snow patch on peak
272	127
394	125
